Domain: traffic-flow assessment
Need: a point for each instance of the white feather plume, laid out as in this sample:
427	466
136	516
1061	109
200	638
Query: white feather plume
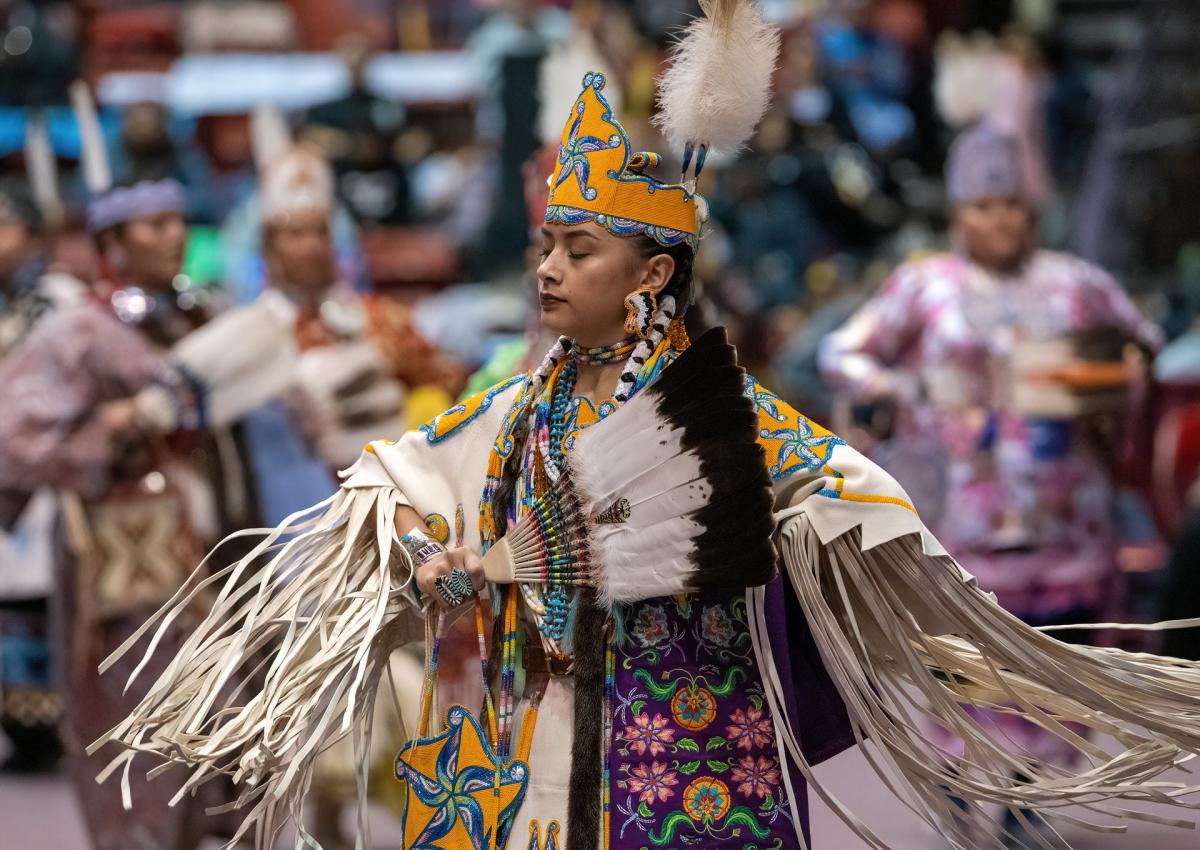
93	153
718	85
42	168
966	79
270	136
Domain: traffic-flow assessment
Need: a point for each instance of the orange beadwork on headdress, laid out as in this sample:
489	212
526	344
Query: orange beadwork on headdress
597	178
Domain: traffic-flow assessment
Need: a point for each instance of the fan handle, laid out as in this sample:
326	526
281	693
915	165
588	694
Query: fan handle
498	564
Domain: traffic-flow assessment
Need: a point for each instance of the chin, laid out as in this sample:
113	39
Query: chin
553	321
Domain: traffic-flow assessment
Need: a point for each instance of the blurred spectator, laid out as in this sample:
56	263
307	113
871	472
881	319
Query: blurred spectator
358	352
868	69
358	132
29	705
89	399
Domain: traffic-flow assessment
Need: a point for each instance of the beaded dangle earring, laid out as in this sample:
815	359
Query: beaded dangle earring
641	305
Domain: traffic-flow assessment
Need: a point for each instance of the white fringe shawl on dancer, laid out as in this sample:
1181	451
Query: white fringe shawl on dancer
289	656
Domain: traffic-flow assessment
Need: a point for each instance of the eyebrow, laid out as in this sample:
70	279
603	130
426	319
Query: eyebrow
567	235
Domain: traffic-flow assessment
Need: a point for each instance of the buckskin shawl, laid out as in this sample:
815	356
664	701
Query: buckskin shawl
875	610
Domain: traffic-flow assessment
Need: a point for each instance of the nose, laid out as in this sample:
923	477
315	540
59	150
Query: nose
548	272
174	231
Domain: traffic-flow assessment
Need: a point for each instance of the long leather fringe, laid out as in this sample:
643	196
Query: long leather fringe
906	638
284	665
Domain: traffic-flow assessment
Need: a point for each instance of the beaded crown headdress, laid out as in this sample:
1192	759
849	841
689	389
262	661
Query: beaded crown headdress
711	97
294	177
597	178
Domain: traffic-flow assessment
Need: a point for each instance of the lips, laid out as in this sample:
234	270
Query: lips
548	300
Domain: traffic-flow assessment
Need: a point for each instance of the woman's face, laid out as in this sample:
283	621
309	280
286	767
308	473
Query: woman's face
997	232
17	244
151	249
584	274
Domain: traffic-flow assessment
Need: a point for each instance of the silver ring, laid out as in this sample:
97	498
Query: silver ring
447	591
460	581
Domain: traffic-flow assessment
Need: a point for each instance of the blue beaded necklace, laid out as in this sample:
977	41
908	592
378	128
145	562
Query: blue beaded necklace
557	596
560	406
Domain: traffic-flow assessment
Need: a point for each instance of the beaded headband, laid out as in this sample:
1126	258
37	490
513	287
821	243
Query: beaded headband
149	197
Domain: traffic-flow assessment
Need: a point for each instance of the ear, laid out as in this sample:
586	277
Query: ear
657	273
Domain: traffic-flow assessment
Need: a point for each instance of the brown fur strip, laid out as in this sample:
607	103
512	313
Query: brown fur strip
583	802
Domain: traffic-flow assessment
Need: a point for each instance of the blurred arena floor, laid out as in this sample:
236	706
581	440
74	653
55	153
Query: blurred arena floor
40	814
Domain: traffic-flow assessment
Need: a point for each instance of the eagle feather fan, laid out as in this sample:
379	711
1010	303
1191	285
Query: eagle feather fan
670	495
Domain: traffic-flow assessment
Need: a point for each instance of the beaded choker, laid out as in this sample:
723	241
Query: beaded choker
605	353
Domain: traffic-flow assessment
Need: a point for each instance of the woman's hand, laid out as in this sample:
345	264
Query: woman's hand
119	417
442	565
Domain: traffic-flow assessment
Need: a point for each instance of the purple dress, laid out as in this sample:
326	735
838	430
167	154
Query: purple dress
693	759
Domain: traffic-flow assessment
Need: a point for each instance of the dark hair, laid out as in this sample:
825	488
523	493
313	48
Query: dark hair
681	284
697	317
16	199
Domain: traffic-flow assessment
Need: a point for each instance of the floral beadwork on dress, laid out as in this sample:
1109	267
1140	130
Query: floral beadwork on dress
693	761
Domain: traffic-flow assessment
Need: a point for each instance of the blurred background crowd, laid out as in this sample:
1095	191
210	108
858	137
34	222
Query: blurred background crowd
966	236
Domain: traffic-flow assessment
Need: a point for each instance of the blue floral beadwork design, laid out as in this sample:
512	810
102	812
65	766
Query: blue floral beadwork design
665	236
801	448
793	443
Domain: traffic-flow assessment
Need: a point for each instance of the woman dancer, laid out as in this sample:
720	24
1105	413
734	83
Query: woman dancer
678	690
